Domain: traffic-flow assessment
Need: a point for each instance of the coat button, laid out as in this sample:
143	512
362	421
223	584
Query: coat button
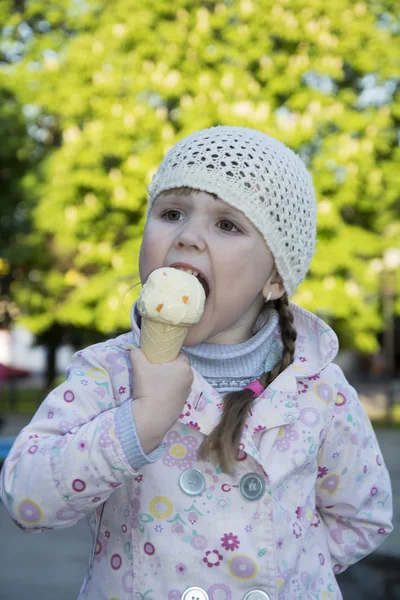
252	486
256	595
192	482
195	593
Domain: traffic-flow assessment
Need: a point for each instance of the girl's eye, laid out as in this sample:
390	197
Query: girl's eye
172	215
227	225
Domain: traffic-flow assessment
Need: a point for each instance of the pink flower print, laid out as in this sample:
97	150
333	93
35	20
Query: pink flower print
303	359
192	517
279	544
230	542
181	452
316	520
198	542
212	558
303	387
286	435
180	568
122	390
314	377
299	512
107	534
187	408
382	530
248	528
82	445
96	499
259	429
139	478
194	425
296	530
322	471
365	469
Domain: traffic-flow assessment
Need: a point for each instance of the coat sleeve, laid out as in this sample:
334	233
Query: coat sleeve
353	490
69	459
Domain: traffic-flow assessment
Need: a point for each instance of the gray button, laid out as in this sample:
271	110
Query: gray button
256	595
252	486
192	483
195	593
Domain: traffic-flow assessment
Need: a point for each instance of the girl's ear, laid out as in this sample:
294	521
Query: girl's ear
275	286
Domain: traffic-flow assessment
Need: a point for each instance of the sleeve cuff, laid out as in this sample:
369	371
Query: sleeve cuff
129	440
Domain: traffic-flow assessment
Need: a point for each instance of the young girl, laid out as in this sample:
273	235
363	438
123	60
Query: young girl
246	469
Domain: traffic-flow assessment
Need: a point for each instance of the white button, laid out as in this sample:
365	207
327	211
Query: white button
192	482
195	593
252	486
256	595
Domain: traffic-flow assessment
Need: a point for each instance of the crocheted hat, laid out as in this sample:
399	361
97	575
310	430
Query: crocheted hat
257	175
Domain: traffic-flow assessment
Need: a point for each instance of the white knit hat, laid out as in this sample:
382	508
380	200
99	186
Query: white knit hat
259	176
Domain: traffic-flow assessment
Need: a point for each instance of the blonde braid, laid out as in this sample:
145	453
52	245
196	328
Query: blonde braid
222	444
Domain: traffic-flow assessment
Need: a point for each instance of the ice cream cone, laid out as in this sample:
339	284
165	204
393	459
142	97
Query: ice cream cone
161	342
170	302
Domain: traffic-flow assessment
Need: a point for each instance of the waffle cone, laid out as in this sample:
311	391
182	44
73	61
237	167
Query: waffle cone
161	342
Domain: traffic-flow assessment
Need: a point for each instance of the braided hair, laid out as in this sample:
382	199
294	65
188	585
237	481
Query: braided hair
222	444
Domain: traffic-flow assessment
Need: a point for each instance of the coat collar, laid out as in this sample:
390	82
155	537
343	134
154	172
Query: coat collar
316	347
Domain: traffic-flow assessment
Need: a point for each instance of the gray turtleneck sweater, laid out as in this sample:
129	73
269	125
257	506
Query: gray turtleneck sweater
226	367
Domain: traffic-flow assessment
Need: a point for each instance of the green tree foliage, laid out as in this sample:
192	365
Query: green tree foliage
111	86
16	159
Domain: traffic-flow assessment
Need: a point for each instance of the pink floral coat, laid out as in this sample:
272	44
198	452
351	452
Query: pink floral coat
327	500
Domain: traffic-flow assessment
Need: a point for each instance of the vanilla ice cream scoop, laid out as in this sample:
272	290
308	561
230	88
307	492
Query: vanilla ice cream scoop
170	302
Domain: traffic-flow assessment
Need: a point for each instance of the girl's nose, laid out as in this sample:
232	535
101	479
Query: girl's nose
190	236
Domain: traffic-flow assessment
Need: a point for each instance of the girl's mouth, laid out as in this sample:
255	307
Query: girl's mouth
194	271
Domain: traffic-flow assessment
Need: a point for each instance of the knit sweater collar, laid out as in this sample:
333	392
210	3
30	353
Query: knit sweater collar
230	367
235	365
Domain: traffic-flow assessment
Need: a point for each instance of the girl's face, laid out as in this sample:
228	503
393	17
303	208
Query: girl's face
198	231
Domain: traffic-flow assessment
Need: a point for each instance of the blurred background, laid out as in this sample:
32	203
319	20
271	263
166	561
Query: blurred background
92	95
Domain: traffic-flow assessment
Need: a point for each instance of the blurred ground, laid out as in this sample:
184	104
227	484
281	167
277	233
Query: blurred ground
52	565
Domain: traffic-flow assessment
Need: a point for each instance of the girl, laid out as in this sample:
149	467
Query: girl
247	468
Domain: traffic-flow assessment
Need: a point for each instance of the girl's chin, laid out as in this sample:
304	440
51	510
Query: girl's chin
193	337
198	334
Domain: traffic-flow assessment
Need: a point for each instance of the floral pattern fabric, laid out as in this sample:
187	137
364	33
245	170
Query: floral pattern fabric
327	500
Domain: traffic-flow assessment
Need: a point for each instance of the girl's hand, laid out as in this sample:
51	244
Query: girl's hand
159	395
